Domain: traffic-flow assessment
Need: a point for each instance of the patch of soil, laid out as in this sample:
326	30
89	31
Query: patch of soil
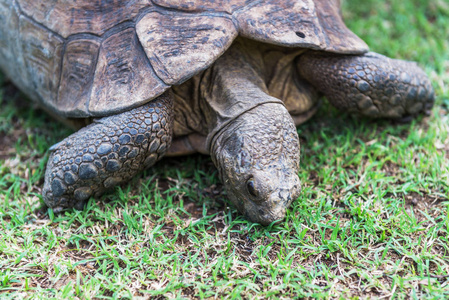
6	141
416	200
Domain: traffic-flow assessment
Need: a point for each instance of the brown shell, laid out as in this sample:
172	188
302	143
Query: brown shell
93	58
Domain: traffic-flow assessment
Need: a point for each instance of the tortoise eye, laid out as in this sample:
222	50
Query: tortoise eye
251	187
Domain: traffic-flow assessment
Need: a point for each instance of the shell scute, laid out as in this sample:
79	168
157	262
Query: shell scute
179	45
67	17
78	68
42	54
312	24
122	72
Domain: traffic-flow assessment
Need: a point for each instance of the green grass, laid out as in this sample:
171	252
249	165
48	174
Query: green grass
372	220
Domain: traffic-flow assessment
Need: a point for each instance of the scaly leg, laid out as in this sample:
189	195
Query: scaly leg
107	152
372	85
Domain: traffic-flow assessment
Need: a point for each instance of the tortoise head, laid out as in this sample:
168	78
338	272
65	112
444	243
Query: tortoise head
257	156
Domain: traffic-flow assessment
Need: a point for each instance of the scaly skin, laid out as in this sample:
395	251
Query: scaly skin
107	152
257	156
372	85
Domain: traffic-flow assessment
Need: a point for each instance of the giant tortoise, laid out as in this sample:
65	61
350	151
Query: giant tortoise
141	79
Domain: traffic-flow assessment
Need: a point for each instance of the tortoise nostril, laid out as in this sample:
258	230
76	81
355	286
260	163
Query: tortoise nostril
300	34
251	187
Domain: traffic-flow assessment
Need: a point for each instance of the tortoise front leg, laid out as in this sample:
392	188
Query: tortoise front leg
107	152
372	85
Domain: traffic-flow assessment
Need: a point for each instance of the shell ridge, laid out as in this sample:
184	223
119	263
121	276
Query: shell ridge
248	6
87	102
147	59
30	18
241	10
170	6
173	11
70	17
61	64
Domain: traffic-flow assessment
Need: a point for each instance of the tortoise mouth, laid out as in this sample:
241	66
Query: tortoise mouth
278	188
274	209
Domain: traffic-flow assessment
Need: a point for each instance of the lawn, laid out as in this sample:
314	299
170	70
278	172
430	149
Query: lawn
372	219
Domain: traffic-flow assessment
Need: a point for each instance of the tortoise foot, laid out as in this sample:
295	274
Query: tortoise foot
106	153
372	85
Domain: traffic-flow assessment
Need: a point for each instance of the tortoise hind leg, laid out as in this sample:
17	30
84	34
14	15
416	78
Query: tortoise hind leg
107	152
372	84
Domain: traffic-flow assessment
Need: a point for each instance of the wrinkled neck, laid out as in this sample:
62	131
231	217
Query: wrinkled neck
233	87
246	75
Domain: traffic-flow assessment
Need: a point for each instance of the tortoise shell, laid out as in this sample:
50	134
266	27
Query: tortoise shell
95	58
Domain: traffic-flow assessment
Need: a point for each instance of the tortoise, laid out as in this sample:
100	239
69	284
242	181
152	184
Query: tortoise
231	78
